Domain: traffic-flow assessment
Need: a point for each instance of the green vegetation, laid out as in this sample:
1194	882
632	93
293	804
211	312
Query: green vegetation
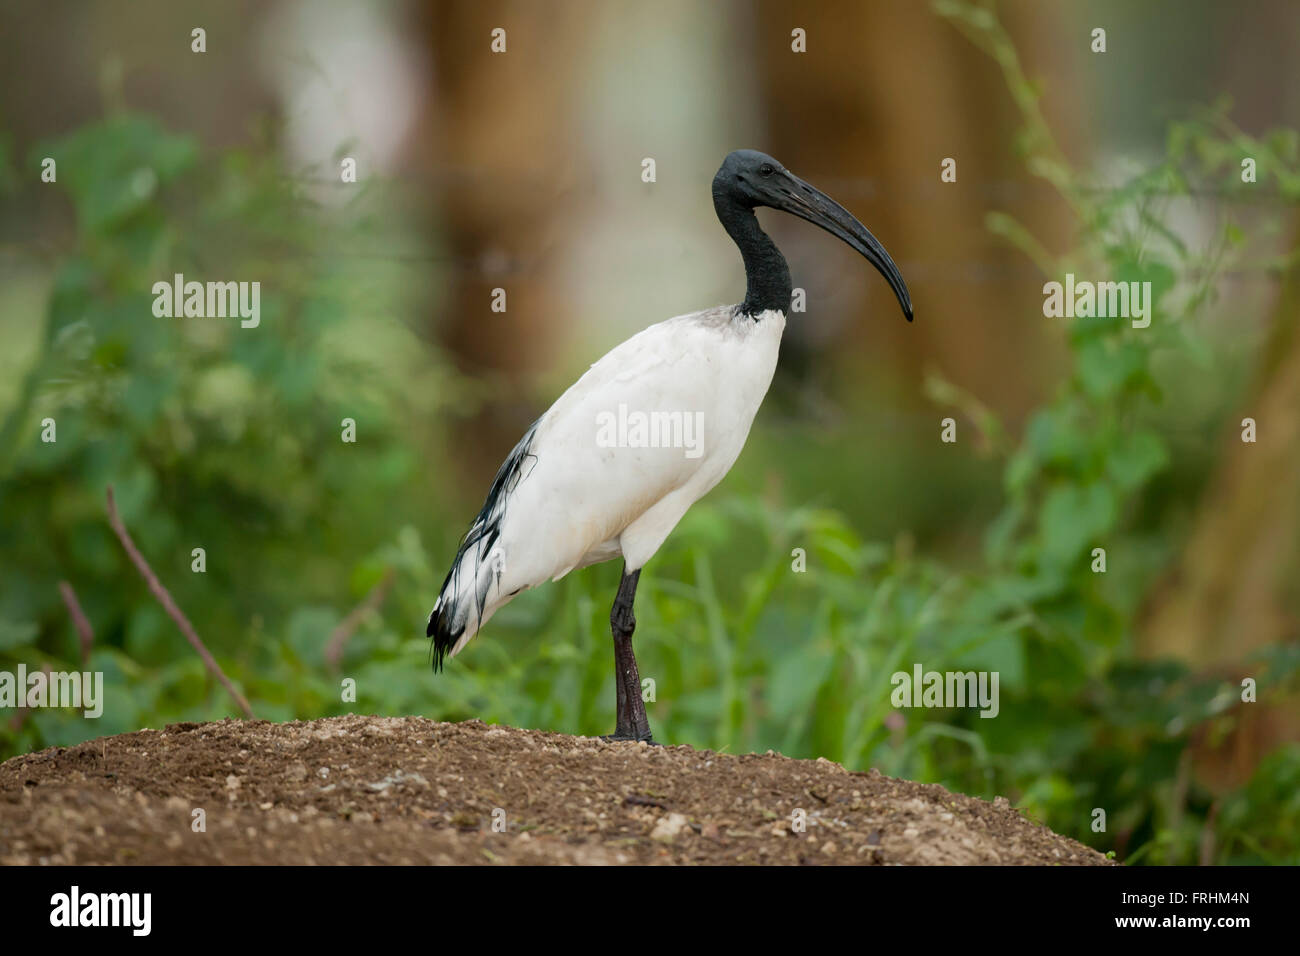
229	440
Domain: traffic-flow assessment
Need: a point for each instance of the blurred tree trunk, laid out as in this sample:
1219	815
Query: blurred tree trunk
884	94
1236	586
503	154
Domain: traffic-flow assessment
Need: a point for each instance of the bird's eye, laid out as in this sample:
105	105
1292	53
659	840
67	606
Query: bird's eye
766	169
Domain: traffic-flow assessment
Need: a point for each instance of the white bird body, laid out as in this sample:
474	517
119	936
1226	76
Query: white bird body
620	499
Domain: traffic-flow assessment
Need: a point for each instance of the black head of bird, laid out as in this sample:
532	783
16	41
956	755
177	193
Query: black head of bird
747	179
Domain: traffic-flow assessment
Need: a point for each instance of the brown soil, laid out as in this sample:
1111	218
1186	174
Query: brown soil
409	790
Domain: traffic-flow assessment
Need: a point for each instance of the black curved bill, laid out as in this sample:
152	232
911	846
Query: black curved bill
791	194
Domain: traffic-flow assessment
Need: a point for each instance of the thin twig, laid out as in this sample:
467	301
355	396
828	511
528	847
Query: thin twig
79	620
174	612
339	637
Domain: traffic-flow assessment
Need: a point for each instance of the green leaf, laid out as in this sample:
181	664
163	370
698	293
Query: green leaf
1072	519
14	634
114	168
1135	457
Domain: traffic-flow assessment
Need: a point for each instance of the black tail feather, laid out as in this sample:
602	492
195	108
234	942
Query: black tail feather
444	638
448	619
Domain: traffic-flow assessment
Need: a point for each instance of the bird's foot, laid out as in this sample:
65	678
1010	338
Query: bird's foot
632	738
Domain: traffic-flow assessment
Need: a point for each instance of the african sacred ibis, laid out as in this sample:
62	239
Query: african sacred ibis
575	491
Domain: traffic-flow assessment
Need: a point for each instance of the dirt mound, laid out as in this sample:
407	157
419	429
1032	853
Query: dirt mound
409	790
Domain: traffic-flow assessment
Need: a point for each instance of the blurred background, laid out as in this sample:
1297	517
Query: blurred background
522	170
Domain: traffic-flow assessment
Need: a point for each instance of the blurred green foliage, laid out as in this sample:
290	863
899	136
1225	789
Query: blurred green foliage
227	439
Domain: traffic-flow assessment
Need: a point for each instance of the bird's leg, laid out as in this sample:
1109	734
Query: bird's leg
632	723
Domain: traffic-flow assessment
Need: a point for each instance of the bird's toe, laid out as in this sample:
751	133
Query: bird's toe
631	738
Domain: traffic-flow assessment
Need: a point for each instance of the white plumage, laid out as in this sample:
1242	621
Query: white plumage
576	503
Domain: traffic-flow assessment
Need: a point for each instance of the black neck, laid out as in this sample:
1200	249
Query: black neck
767	277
